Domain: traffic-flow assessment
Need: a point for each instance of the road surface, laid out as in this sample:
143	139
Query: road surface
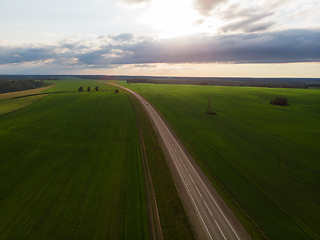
214	222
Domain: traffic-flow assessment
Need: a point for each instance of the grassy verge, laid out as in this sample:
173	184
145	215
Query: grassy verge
174	221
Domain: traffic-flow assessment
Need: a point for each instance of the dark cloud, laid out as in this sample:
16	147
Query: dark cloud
204	7
273	47
25	54
277	47
123	37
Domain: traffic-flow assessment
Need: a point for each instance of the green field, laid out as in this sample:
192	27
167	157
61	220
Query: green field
70	168
266	156
72	85
10	105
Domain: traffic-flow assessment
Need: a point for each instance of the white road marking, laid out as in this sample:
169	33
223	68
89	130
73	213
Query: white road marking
199	192
205	186
189	191
207	208
220	230
191	178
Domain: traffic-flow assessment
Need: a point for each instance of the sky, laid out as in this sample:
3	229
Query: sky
204	38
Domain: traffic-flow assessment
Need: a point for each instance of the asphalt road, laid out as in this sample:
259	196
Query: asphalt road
215	224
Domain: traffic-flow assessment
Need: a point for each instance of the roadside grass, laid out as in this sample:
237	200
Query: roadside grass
70	168
265	156
174	221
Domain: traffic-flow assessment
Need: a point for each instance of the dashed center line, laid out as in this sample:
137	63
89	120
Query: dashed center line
191	178
199	192
207	208
220	231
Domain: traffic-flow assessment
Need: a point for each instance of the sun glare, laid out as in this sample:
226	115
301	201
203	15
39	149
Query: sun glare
171	18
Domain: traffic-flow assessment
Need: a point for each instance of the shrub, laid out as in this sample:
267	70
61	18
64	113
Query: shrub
97	89
116	91
80	89
89	89
280	101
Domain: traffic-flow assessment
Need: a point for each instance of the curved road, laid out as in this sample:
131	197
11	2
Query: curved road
214	222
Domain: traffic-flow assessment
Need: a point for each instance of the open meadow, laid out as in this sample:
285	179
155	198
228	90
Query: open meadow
266	156
71	168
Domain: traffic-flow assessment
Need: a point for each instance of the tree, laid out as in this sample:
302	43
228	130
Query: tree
116	91
89	89
80	89
97	89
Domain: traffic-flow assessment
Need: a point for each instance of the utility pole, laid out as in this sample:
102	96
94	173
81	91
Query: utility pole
209	107
209	111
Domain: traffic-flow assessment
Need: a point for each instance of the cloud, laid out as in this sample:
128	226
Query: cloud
204	7
123	37
277	47
248	25
246	19
296	45
198	22
135	1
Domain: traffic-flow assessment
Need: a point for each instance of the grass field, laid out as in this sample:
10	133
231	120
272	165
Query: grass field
70	168
4	96
72	85
20	99
266	156
10	105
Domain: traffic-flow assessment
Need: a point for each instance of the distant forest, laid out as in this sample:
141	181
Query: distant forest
19	85
222	83
214	81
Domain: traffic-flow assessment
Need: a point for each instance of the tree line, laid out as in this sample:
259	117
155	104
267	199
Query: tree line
80	89
219	83
19	85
